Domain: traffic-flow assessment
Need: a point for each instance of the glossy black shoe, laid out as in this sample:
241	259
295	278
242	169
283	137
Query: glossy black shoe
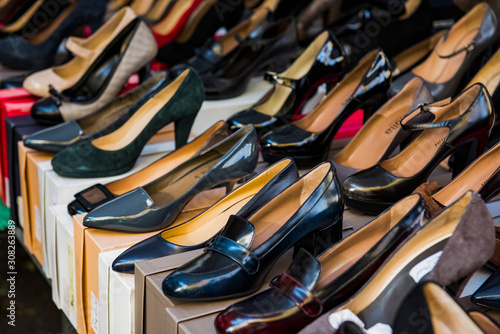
460	127
156	205
214	53
312	285
308	140
38	51
98	194
195	233
101	122
130	51
236	262
456	54
202	25
323	61
488	295
272	49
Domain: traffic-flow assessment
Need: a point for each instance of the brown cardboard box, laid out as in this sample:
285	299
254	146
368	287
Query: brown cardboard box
24	215
203	325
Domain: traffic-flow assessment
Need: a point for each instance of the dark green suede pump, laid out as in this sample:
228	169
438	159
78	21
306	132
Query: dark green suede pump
117	152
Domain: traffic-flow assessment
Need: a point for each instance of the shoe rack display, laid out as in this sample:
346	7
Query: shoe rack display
202	166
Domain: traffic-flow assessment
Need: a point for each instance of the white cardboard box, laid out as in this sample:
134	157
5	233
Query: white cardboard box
43	168
50	252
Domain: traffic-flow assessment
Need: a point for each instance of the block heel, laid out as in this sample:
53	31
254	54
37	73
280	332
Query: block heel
318	241
465	154
182	129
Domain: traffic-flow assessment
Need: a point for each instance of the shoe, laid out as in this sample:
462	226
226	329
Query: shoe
217	52
455	53
451	246
157	204
236	262
171	25
483	321
10	8
308	139
436	311
195	233
381	134
86	52
97	124
322	62
201	26
38	51
272	49
142	7
488	294
312	285
92	197
22	16
482	175
132	49
460	128
117	152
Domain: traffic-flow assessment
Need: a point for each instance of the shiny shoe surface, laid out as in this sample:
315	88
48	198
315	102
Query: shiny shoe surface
132	49
312	285
117	152
381	134
308	139
323	61
236	262
451	246
92	197
99	123
460	127
455	53
157	204
195	233
488	295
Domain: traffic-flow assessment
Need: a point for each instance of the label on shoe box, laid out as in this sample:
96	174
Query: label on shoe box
424	267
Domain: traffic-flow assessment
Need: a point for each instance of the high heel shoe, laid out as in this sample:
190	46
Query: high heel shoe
381	134
132	49
202	25
195	233
271	50
171	25
86	52
323	61
312	285
236	262
460	127
156	205
428	309
451	246
22	16
117	152
482	175
92	197
97	124
308	140
9	9
455	53
37	52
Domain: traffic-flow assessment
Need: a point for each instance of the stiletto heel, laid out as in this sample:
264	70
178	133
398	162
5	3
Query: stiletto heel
145	72
318	241
182	129
371	105
466	154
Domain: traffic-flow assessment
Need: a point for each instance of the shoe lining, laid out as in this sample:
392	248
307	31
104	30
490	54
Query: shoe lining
194	20
170	21
49	30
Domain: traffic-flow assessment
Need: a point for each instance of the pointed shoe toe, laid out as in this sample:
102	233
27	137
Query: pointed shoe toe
46	111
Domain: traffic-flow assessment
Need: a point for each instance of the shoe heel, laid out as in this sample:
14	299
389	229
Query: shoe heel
466	154
371	105
183	129
145	72
318	241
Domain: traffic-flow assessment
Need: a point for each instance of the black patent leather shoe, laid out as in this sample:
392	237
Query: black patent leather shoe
306	290
99	123
308	140
156	205
323	61
460	127
236	262
195	233
488	295
271	50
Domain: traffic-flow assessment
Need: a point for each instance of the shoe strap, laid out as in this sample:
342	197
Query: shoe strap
423	112
305	300
275	78
236	252
74	45
92	197
468	48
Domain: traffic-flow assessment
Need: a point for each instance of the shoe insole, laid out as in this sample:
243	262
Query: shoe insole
489	75
474	177
158	10
49	30
487	325
129	131
142	7
194	20
296	71
169	22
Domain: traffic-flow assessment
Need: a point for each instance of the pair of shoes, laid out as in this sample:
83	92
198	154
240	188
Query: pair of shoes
308	213
157	204
455	54
116	153
322	62
132	49
37	51
308	139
